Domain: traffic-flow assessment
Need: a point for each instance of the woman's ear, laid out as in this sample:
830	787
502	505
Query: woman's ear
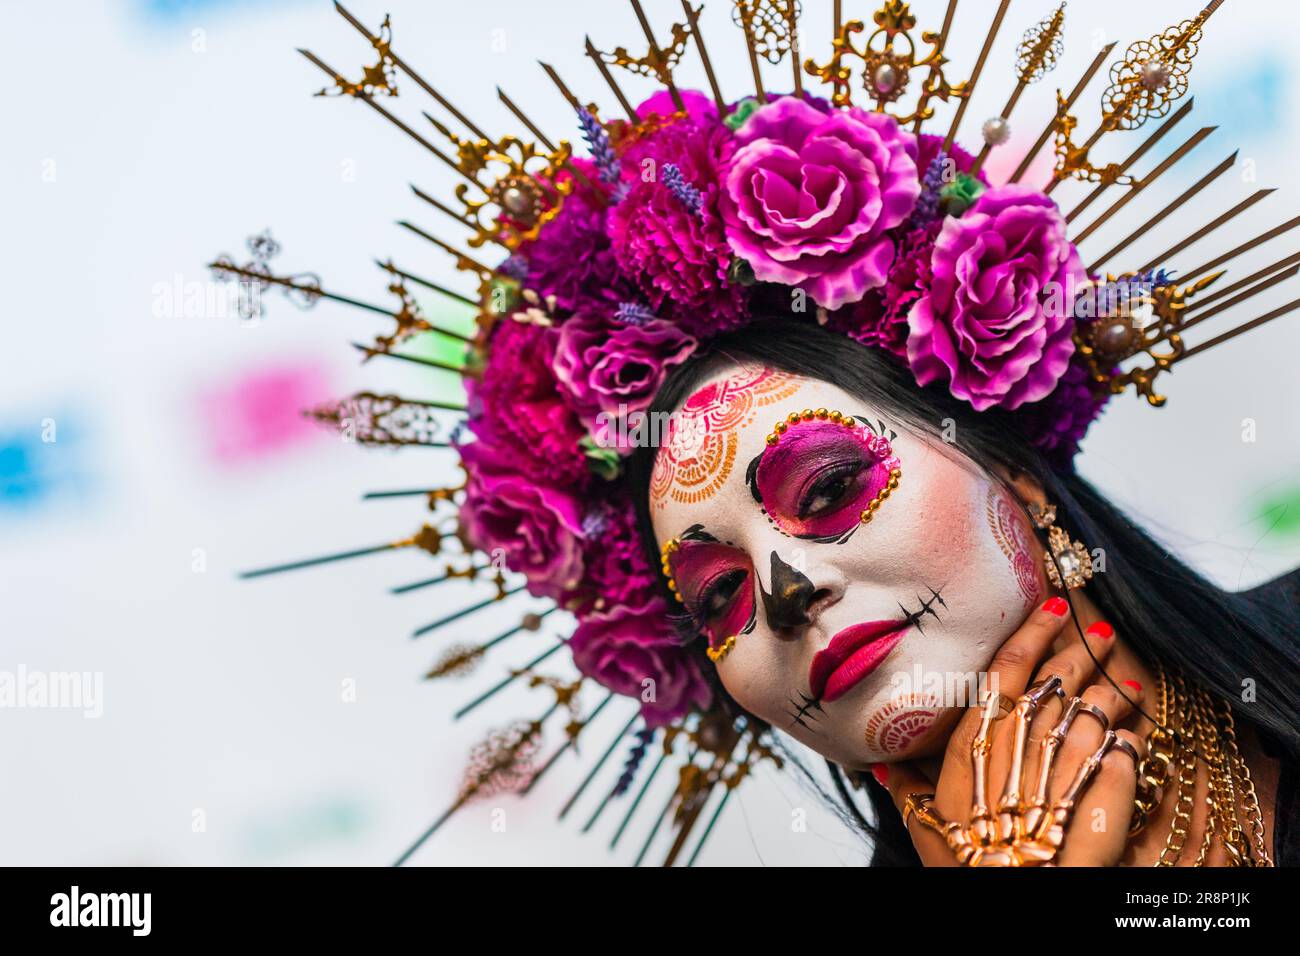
1023	485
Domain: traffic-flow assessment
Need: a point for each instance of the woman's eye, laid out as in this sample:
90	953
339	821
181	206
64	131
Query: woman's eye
828	492
720	594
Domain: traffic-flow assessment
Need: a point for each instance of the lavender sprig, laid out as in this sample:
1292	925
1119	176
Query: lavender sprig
685	193
633	313
927	204
607	163
643	738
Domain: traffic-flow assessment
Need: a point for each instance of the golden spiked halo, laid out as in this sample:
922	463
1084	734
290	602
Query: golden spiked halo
509	187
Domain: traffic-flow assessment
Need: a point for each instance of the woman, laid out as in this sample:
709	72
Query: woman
778	556
862	527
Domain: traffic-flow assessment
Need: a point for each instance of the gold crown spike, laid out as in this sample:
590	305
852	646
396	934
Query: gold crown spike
370	419
693	20
657	62
383	44
1079	87
1040	48
379	78
1172	207
975	74
1121	169
432	286
1129	195
888	55
1245	247
771	31
427	539
369	100
1144	84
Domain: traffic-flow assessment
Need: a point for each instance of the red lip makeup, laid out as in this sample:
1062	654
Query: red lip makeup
852	655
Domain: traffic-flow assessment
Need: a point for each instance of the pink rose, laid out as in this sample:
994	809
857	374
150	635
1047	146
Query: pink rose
603	365
627	645
997	319
809	195
537	529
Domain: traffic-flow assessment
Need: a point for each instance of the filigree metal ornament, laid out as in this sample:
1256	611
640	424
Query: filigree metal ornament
658	62
518	184
1040	48
371	419
770	26
380	78
1148	323
1152	74
255	276
889	55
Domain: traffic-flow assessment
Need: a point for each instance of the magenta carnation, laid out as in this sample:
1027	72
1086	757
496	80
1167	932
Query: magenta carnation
533	527
808	197
678	255
629	645
996	321
607	367
518	408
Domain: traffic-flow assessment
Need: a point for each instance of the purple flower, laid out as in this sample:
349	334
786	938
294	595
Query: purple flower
536	529
996	320
571	258
613	368
632	650
616	570
678	253
808	197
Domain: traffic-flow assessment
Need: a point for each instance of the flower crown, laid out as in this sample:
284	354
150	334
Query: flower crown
694	214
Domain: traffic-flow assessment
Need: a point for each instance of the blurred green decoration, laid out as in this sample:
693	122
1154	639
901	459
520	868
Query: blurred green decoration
743	111
455	317
1280	515
960	194
304	828
604	462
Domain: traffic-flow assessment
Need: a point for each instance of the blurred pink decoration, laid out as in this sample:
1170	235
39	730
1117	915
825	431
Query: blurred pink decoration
259	413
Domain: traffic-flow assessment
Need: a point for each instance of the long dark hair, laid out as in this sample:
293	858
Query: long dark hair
1165	610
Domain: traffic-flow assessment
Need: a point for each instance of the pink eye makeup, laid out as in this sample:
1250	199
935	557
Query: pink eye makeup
715	583
823	475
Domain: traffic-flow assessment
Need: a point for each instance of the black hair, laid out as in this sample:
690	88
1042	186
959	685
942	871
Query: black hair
1166	611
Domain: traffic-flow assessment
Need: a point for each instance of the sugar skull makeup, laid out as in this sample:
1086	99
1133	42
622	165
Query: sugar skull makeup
851	577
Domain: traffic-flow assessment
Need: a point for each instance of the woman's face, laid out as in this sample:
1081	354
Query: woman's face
859	638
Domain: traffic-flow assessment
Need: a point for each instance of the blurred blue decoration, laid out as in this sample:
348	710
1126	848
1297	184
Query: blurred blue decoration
41	462
1247	104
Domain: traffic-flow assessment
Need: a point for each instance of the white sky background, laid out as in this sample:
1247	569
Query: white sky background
167	147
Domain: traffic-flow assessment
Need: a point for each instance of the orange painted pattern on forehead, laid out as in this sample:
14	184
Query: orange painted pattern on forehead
701	448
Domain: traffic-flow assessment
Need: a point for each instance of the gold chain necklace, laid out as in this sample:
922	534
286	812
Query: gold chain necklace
1188	721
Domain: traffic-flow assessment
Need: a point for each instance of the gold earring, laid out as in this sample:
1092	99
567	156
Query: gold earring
1068	563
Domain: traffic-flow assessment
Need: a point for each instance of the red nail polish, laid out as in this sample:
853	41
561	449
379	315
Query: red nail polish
1135	685
881	773
1057	606
1103	630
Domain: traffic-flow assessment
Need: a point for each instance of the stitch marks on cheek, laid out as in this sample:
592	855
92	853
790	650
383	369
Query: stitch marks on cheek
900	723
703	435
1011	532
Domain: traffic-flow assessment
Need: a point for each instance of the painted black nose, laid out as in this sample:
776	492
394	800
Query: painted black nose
787	605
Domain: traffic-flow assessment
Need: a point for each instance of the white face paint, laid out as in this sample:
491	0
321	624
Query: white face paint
774	551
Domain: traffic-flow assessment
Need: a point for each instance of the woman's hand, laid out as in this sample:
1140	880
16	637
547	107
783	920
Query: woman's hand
1012	827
